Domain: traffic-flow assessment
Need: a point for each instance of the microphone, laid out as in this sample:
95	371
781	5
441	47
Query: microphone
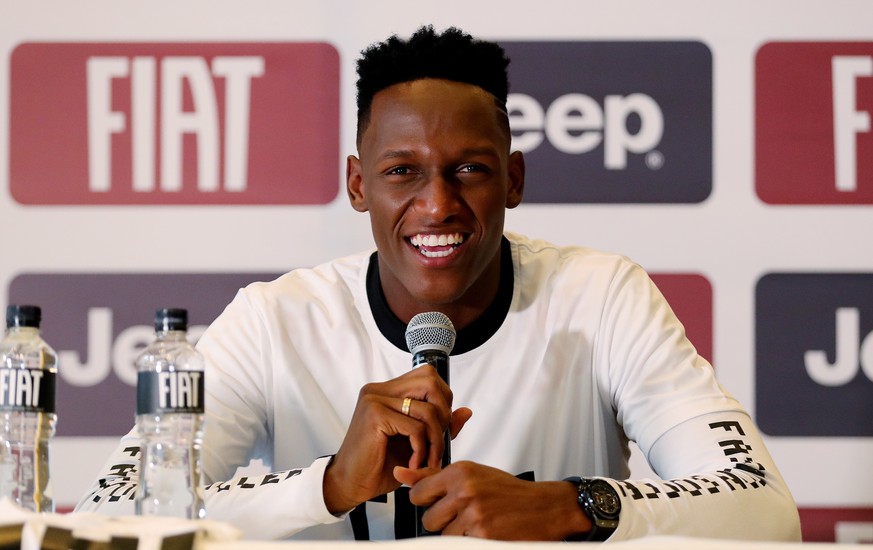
430	336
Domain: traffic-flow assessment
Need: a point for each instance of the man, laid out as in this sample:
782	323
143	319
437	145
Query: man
562	356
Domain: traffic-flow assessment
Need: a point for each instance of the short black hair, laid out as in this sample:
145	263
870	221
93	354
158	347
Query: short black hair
452	55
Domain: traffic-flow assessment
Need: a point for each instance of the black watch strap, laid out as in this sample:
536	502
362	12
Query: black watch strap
599	501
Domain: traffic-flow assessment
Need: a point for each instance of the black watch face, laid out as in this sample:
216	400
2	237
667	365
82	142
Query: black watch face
606	502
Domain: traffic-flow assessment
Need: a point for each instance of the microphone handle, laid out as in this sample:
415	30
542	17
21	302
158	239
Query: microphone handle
440	361
437	358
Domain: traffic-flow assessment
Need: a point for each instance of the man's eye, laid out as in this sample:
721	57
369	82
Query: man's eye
471	168
398	171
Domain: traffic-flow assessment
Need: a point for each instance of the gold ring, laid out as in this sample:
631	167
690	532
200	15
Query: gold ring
406	403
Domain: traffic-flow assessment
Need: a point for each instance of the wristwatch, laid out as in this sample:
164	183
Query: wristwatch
600	503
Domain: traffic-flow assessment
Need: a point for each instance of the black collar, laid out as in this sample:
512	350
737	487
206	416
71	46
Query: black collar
470	337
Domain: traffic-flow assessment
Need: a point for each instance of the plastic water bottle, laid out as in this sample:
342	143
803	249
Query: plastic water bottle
169	419
28	368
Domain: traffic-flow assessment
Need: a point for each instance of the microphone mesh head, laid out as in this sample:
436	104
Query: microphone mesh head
430	330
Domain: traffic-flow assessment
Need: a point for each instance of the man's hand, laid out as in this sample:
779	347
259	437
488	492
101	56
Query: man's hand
381	436
469	499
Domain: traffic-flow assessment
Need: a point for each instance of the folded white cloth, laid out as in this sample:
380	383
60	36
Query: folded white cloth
35	531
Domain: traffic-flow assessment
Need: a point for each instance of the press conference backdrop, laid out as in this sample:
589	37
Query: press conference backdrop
165	154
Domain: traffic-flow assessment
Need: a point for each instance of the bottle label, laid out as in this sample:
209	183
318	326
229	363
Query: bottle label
169	392
28	390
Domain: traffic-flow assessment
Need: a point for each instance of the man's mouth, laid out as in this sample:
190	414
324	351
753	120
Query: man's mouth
436	246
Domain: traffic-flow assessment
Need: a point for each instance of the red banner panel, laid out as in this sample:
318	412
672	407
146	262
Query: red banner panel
846	525
813	138
170	123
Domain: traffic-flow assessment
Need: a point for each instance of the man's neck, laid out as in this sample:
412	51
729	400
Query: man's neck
475	325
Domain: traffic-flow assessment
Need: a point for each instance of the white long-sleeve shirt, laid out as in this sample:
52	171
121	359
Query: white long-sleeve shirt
588	356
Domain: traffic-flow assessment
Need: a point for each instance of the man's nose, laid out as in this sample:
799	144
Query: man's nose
440	198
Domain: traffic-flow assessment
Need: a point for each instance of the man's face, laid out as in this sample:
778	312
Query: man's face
436	175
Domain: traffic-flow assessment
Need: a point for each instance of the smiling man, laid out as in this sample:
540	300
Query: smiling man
436	176
563	356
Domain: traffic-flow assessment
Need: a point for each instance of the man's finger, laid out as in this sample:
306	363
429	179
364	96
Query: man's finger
459	419
411	476
429	418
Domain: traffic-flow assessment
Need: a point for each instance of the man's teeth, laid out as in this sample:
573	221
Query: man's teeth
436	240
422	241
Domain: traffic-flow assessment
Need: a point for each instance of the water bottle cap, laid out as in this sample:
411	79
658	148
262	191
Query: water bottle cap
171	319
23	316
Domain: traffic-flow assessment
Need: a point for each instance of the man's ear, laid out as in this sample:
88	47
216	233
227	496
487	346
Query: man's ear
355	184
516	180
